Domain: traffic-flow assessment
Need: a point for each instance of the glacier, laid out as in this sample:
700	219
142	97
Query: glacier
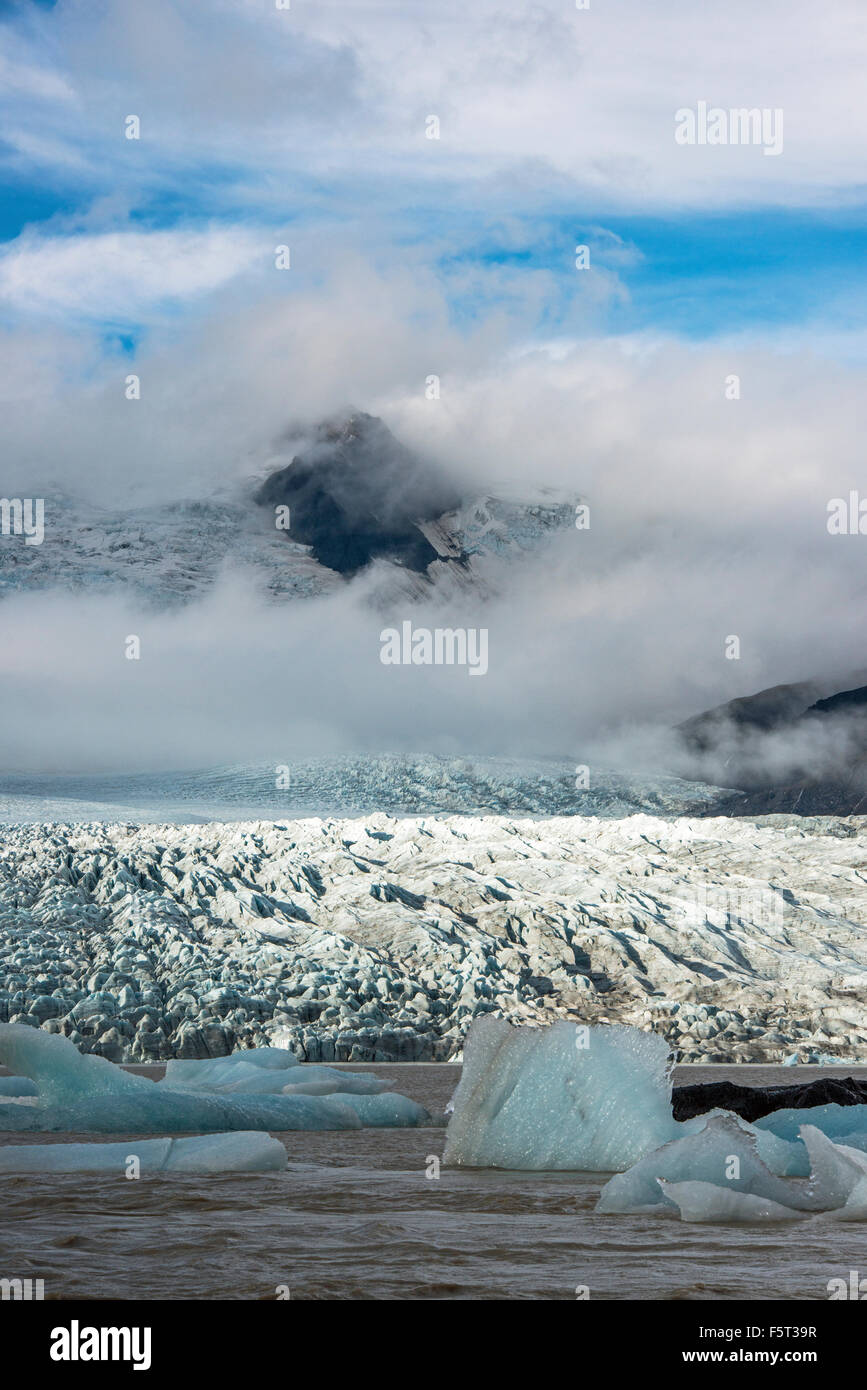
381	938
87	1094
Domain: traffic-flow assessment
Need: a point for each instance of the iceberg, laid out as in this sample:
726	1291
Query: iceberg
389	1111
834	1120
719	1175
243	1073
560	1097
195	1075
84	1093
17	1087
704	1201
724	1152
598	1099
241	1152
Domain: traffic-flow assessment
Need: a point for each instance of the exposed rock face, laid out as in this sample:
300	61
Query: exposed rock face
381	939
357	495
769	709
752	1102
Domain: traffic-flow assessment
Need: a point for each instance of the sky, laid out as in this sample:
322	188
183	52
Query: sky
308	127
556	127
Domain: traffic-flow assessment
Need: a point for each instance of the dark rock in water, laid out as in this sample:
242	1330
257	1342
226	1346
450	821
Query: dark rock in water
752	1102
356	494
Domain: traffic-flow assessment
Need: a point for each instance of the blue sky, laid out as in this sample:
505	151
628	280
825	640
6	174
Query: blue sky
557	128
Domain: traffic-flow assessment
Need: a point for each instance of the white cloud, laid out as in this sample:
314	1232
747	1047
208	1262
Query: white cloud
708	517
124	275
588	95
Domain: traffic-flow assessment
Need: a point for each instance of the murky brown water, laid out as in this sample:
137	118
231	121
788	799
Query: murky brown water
355	1216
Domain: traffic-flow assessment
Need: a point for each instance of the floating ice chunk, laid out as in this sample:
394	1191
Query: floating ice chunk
719	1175
17	1086
179	1112
218	1153
234	1075
244	1151
836	1170
387	1111
217	1078
217	1071
560	1097
59	1069
725	1152
88	1094
704	1201
834	1120
346	1082
84	1158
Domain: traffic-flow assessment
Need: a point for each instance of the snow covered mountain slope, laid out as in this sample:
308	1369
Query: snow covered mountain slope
399	784
165	555
356	498
381	939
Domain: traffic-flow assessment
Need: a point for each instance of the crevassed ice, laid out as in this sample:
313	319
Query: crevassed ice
85	1093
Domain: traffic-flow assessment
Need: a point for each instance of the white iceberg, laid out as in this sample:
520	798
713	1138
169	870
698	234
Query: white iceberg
245	1074
562	1097
704	1201
85	1093
241	1152
719	1175
724	1152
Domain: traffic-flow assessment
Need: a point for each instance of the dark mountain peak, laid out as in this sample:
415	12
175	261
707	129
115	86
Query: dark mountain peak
355	494
846	701
793	748
766	710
